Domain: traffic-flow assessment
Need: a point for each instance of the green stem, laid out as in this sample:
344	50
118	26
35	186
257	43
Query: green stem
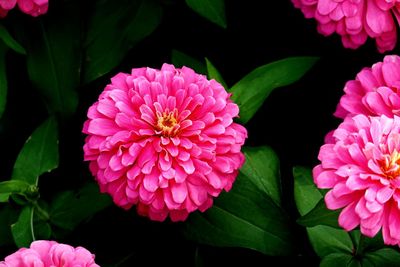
361	246
125	259
31	224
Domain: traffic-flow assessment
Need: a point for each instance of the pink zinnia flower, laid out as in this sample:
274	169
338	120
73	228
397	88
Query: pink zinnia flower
31	7
362	169
355	20
45	253
375	91
164	140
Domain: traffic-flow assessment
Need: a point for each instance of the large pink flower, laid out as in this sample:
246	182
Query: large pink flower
31	7
355	20
375	91
362	169
45	253
164	140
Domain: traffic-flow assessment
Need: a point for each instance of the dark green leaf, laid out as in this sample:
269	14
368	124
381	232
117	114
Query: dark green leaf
213	10
306	193
354	263
262	168
244	217
252	90
39	154
337	259
320	215
3	79
54	58
180	59
326	240
70	208
213	73
114	29
8	216
387	257
22	230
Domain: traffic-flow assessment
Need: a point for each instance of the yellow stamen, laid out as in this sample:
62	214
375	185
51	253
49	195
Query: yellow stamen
166	122
391	165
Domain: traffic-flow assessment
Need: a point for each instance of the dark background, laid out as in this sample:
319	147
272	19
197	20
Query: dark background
293	120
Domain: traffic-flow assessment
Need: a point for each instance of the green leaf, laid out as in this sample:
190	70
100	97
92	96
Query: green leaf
337	259
114	29
3	79
4	197
326	240
8	216
252	90
9	41
262	168
244	217
213	73
320	215
39	154
22	230
213	10
14	186
387	257
180	59
71	208
306	193
54	58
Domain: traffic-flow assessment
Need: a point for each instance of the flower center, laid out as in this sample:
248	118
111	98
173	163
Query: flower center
167	124
390	165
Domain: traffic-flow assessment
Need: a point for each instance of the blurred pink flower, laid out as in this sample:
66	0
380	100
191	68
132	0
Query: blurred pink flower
362	169
355	20
31	7
164	140
375	91
45	253
5	6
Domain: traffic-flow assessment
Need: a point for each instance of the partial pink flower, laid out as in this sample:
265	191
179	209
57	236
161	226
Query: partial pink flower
375	91
5	6
164	140
33	7
355	20
44	253
362	170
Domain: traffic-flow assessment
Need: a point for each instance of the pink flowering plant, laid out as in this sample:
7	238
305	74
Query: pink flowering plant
199	133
